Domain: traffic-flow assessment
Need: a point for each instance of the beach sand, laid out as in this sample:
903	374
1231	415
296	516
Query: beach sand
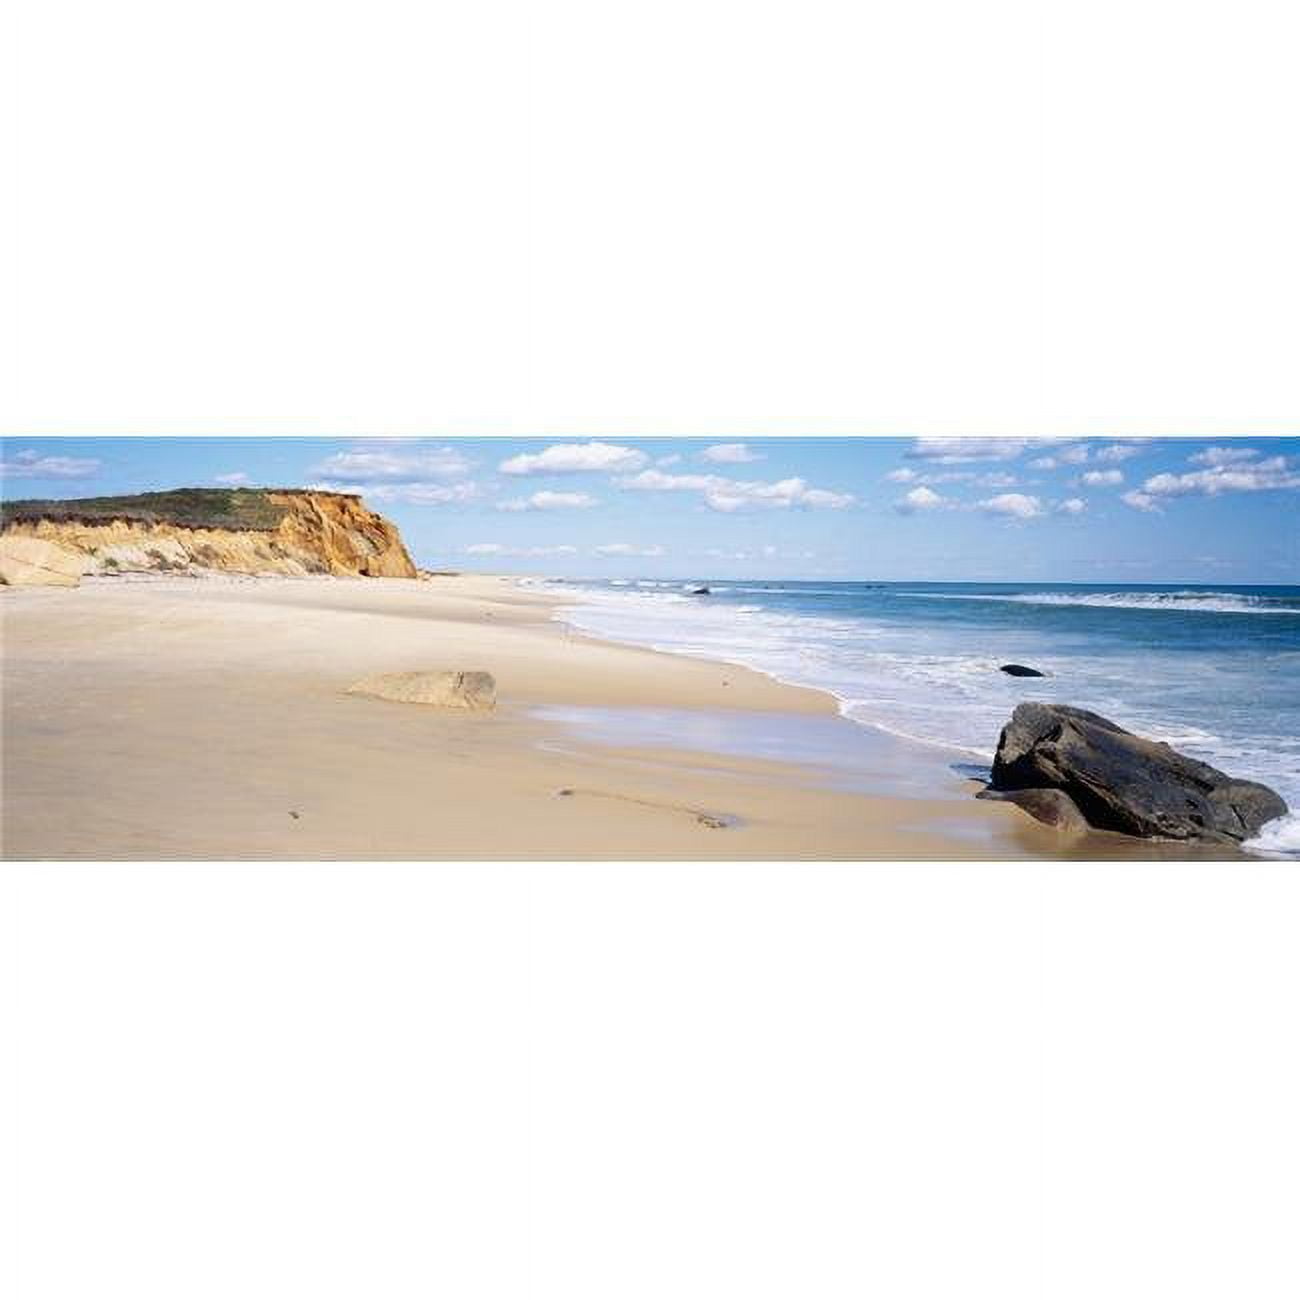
176	718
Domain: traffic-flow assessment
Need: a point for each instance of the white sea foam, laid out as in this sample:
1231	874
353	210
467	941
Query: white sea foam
1177	602
1280	838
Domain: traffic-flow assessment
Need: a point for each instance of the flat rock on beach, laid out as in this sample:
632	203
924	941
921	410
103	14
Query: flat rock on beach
447	690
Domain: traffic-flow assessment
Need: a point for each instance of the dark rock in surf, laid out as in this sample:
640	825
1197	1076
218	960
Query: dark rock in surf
1019	670
700	591
1125	783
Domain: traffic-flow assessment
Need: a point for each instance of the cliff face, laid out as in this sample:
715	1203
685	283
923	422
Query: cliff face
293	533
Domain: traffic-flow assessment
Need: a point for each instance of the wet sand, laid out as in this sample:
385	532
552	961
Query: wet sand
177	718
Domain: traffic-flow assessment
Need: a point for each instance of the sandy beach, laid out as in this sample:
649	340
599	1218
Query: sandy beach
175	718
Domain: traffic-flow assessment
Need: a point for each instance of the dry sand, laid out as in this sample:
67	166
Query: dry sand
208	719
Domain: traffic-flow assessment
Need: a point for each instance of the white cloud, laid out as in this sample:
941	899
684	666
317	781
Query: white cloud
576	458
626	548
496	548
668	460
1116	452
1071	506
819	497
231	480
366	465
1078	454
1074	455
1216	456
1274	474
1140	501
415	494
550	501
1103	477
728	503
996	478
736	495
31	464
729	495
955	451
651	480
1014	504
919	498
730	453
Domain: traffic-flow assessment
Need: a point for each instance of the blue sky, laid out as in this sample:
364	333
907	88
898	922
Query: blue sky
1016	509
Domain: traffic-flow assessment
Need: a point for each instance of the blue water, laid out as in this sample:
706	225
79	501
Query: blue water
1213	670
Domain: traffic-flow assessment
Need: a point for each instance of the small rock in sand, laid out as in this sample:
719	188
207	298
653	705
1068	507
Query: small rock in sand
447	690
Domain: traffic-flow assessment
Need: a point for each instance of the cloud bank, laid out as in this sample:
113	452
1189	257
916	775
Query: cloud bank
576	458
31	464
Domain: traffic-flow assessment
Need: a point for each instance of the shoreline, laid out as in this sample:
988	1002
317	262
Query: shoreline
184	720
838	705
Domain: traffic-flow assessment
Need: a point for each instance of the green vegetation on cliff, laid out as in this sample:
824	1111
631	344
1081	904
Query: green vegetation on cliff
248	509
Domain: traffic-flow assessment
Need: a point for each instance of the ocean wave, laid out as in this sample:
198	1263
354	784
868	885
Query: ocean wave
800	593
1178	602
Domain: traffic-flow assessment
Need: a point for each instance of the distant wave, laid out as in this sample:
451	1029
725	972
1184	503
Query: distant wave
1177	602
847	592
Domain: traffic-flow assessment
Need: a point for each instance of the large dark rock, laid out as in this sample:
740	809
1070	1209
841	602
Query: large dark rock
1122	782
1019	670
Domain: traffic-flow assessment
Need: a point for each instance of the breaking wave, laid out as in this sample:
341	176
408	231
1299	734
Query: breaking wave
1178	602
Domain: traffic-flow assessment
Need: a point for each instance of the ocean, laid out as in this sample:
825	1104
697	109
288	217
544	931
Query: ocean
1212	670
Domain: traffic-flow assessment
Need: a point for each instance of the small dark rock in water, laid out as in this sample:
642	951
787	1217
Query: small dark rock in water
1122	782
700	591
1019	670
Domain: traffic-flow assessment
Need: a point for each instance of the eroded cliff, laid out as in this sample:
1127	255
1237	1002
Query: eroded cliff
244	530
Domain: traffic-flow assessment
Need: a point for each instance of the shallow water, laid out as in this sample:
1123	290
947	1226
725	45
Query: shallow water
841	755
